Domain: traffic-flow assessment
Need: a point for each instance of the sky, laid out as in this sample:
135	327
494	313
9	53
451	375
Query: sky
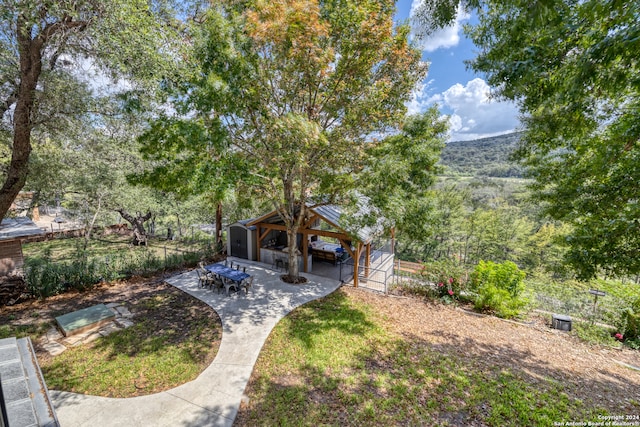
460	93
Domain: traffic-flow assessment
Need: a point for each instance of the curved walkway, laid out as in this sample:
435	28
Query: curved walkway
214	397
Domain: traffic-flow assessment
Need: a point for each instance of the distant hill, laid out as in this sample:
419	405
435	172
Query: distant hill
482	157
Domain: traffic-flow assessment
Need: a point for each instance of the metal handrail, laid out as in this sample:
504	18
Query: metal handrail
4	419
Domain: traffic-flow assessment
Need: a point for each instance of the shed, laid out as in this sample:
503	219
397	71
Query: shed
12	230
242	240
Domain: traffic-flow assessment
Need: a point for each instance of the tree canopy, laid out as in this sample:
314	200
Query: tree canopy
400	171
573	69
49	48
289	94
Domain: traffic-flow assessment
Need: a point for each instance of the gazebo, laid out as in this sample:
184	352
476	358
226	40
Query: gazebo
321	221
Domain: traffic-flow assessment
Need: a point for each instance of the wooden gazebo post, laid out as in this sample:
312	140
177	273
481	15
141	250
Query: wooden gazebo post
367	260
356	263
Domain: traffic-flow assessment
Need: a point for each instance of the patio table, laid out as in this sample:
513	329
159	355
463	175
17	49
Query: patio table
228	273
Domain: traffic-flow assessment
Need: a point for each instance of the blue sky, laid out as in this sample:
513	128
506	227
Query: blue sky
460	93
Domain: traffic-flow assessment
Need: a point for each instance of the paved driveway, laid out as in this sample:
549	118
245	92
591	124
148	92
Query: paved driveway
214	397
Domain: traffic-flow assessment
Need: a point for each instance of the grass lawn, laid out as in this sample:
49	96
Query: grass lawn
67	249
174	337
363	359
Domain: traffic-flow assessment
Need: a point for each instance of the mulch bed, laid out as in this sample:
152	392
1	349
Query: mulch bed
533	350
293	280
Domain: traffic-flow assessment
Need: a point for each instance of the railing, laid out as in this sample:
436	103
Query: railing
378	276
4	419
407	268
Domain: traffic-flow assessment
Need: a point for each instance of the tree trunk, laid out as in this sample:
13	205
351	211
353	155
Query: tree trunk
137	223
30	70
219	226
90	225
292	241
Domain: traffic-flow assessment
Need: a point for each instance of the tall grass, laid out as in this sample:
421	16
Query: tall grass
83	269
572	298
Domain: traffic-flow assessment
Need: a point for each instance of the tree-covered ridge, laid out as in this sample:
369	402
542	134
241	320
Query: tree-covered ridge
489	157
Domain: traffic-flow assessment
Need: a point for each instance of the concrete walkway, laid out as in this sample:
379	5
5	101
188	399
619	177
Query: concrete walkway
214	397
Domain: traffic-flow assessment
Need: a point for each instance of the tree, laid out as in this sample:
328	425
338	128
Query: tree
188	159
399	172
573	69
42	45
137	222
289	94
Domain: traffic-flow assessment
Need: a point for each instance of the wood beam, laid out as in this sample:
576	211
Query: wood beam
261	236
307	231
310	221
356	264
347	248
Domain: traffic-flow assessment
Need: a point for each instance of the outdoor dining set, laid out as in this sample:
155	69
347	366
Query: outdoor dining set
224	276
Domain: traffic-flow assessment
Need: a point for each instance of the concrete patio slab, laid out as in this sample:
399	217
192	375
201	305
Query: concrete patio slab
213	398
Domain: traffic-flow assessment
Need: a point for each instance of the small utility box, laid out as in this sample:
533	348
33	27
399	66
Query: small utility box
83	320
561	322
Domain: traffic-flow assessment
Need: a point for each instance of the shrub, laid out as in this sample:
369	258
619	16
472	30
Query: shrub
593	333
498	288
417	288
448	276
45	278
630	324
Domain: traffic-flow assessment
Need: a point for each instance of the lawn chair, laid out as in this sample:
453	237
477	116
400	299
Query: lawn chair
246	284
218	283
228	284
201	277
204	278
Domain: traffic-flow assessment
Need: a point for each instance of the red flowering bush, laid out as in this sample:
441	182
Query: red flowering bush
448	276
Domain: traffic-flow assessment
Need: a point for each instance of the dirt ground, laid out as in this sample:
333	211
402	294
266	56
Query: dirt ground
129	292
591	372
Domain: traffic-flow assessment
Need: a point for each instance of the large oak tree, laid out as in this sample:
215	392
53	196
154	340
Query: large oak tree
47	47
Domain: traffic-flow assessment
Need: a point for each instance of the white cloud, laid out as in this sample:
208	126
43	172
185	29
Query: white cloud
420	99
446	37
475	113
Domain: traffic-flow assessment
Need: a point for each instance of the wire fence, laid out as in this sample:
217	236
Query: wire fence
577	300
46	276
378	275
